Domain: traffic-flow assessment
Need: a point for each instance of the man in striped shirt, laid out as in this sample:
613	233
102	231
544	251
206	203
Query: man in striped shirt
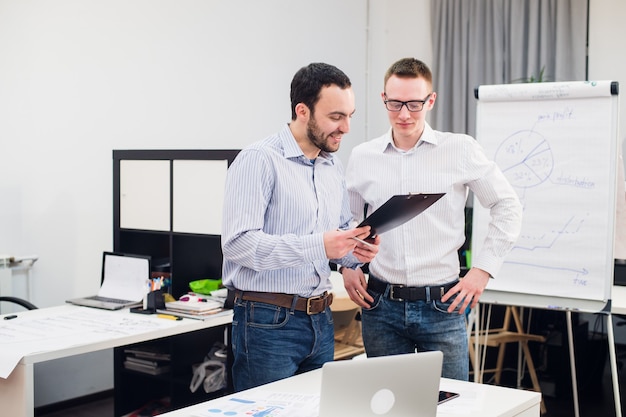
413	299
286	215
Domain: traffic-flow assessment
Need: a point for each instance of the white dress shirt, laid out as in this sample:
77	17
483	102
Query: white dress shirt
424	251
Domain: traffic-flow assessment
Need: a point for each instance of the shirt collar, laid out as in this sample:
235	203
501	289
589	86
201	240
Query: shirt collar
428	136
291	149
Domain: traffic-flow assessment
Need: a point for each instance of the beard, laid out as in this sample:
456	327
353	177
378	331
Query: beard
318	138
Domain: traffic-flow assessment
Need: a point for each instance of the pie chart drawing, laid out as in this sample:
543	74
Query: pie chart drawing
525	158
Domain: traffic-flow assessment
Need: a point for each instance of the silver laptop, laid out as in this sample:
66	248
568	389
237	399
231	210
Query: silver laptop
124	282
390	386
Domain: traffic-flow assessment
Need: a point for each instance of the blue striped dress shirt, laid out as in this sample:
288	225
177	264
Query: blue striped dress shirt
277	206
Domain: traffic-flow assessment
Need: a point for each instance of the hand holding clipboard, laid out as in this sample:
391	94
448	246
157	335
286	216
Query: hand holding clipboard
398	210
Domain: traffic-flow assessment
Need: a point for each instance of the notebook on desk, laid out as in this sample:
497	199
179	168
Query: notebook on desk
390	386
124	282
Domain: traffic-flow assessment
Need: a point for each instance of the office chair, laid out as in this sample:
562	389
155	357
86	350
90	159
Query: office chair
16	300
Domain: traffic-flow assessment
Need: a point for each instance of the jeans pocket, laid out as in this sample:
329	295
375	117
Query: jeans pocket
266	316
374	305
329	316
442	307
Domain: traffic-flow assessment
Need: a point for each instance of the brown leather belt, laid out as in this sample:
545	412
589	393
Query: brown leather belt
313	305
402	293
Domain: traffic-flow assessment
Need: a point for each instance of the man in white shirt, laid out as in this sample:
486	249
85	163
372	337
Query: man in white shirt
414	299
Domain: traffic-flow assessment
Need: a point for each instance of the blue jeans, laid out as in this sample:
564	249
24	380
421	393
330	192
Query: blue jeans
271	343
395	327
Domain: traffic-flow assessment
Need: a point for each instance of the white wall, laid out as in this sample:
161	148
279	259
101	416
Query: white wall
606	58
397	29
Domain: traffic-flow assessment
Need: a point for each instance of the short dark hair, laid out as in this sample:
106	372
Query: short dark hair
308	82
409	68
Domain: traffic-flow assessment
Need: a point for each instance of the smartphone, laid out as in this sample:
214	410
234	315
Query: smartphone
446	396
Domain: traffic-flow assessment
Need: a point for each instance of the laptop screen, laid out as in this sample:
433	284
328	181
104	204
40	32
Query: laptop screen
124	276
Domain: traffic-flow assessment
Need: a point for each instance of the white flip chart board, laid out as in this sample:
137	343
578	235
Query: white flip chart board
557	145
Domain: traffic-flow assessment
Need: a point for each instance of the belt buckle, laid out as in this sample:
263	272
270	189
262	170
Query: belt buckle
308	303
391	292
442	291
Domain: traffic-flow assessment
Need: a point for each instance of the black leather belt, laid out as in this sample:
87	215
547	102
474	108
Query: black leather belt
403	293
313	305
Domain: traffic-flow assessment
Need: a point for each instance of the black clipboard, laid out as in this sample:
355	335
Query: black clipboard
398	210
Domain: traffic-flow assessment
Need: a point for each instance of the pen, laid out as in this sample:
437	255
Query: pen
363	242
12	316
169	317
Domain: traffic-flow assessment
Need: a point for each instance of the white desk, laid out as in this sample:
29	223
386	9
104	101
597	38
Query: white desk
490	400
16	391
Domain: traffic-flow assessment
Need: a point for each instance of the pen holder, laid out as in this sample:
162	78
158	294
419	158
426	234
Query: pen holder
155	300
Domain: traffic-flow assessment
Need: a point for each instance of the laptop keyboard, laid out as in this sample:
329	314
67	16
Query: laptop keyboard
109	300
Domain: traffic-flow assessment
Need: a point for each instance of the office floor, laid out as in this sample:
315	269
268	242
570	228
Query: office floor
594	401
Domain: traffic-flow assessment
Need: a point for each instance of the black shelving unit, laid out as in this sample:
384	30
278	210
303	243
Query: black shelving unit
187	257
134	389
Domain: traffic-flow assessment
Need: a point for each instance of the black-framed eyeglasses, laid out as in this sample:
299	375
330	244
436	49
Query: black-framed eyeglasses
411	105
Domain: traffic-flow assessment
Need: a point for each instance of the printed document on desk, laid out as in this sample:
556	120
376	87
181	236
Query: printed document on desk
262	403
398	210
66	326
292	404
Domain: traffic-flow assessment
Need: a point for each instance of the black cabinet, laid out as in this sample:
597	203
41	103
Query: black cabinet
135	389
167	204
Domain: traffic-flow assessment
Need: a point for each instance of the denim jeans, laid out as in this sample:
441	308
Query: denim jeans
271	343
394	327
